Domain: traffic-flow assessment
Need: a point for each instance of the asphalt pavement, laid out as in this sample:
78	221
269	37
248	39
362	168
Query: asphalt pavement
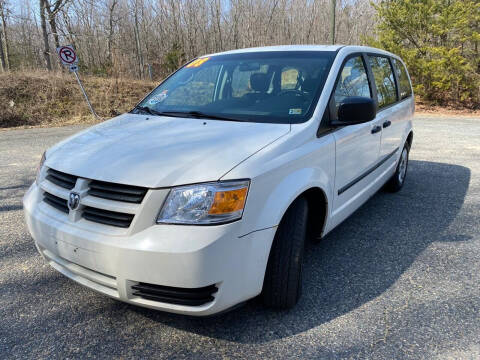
399	279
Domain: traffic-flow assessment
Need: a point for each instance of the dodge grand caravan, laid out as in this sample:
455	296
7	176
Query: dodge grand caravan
203	195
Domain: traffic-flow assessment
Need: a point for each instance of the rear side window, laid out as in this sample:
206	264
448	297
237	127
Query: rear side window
384	80
404	83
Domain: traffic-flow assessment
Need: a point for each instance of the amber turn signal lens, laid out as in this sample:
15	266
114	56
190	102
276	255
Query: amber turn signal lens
228	201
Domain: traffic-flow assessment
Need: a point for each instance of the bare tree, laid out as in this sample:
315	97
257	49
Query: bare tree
140	63
52	11
2	55
122	36
4	51
46	44
111	24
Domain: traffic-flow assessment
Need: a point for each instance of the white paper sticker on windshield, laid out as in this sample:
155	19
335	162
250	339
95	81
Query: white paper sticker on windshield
158	98
295	112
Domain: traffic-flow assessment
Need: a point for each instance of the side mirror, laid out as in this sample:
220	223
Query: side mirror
356	110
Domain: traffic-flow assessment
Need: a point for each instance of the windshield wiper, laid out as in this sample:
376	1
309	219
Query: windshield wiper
193	114
147	110
198	115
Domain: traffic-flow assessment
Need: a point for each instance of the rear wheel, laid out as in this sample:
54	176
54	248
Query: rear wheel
398	179
283	278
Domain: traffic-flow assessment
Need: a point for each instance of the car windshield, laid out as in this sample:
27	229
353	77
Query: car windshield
276	87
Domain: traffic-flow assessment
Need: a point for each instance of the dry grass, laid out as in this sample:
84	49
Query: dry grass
425	109
54	99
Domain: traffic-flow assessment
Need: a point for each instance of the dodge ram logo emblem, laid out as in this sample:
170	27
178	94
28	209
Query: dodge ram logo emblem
73	200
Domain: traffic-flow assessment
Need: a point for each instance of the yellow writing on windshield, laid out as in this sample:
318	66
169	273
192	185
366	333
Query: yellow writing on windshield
197	63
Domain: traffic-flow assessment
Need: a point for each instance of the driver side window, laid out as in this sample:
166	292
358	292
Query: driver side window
353	81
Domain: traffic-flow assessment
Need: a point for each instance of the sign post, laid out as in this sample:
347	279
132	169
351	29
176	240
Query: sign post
69	58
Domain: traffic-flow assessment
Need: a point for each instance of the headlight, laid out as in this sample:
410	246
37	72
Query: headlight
201	204
40	165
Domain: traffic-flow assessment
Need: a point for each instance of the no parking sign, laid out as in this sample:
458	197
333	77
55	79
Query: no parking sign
68	57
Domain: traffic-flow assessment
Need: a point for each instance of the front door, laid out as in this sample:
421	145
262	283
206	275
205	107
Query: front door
357	146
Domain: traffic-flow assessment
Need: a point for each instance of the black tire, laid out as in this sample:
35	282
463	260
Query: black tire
398	179
283	279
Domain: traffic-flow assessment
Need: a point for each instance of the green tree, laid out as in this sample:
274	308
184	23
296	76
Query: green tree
174	58
438	39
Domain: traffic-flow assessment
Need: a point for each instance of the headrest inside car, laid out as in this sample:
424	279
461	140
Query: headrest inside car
259	82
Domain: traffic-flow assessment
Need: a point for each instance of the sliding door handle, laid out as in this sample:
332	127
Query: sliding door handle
387	124
376	129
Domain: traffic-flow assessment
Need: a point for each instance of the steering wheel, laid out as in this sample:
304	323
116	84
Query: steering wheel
292	91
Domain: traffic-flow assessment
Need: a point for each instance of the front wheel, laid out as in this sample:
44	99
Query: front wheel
283	278
398	179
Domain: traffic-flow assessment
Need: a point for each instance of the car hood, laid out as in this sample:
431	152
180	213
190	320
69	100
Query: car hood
155	151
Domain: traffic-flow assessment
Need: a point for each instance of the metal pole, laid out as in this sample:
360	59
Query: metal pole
150	71
334	6
86	97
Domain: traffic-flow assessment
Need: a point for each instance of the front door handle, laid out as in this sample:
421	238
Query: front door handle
376	129
387	124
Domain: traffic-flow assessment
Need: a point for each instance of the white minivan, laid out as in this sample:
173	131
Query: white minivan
204	194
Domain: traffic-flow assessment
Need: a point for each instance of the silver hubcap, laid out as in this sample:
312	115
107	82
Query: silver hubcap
402	167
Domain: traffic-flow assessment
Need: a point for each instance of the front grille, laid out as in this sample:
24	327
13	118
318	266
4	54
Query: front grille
174	295
107	217
59	178
100	189
56	202
118	192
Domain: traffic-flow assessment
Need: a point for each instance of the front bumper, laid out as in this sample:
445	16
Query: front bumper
168	255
